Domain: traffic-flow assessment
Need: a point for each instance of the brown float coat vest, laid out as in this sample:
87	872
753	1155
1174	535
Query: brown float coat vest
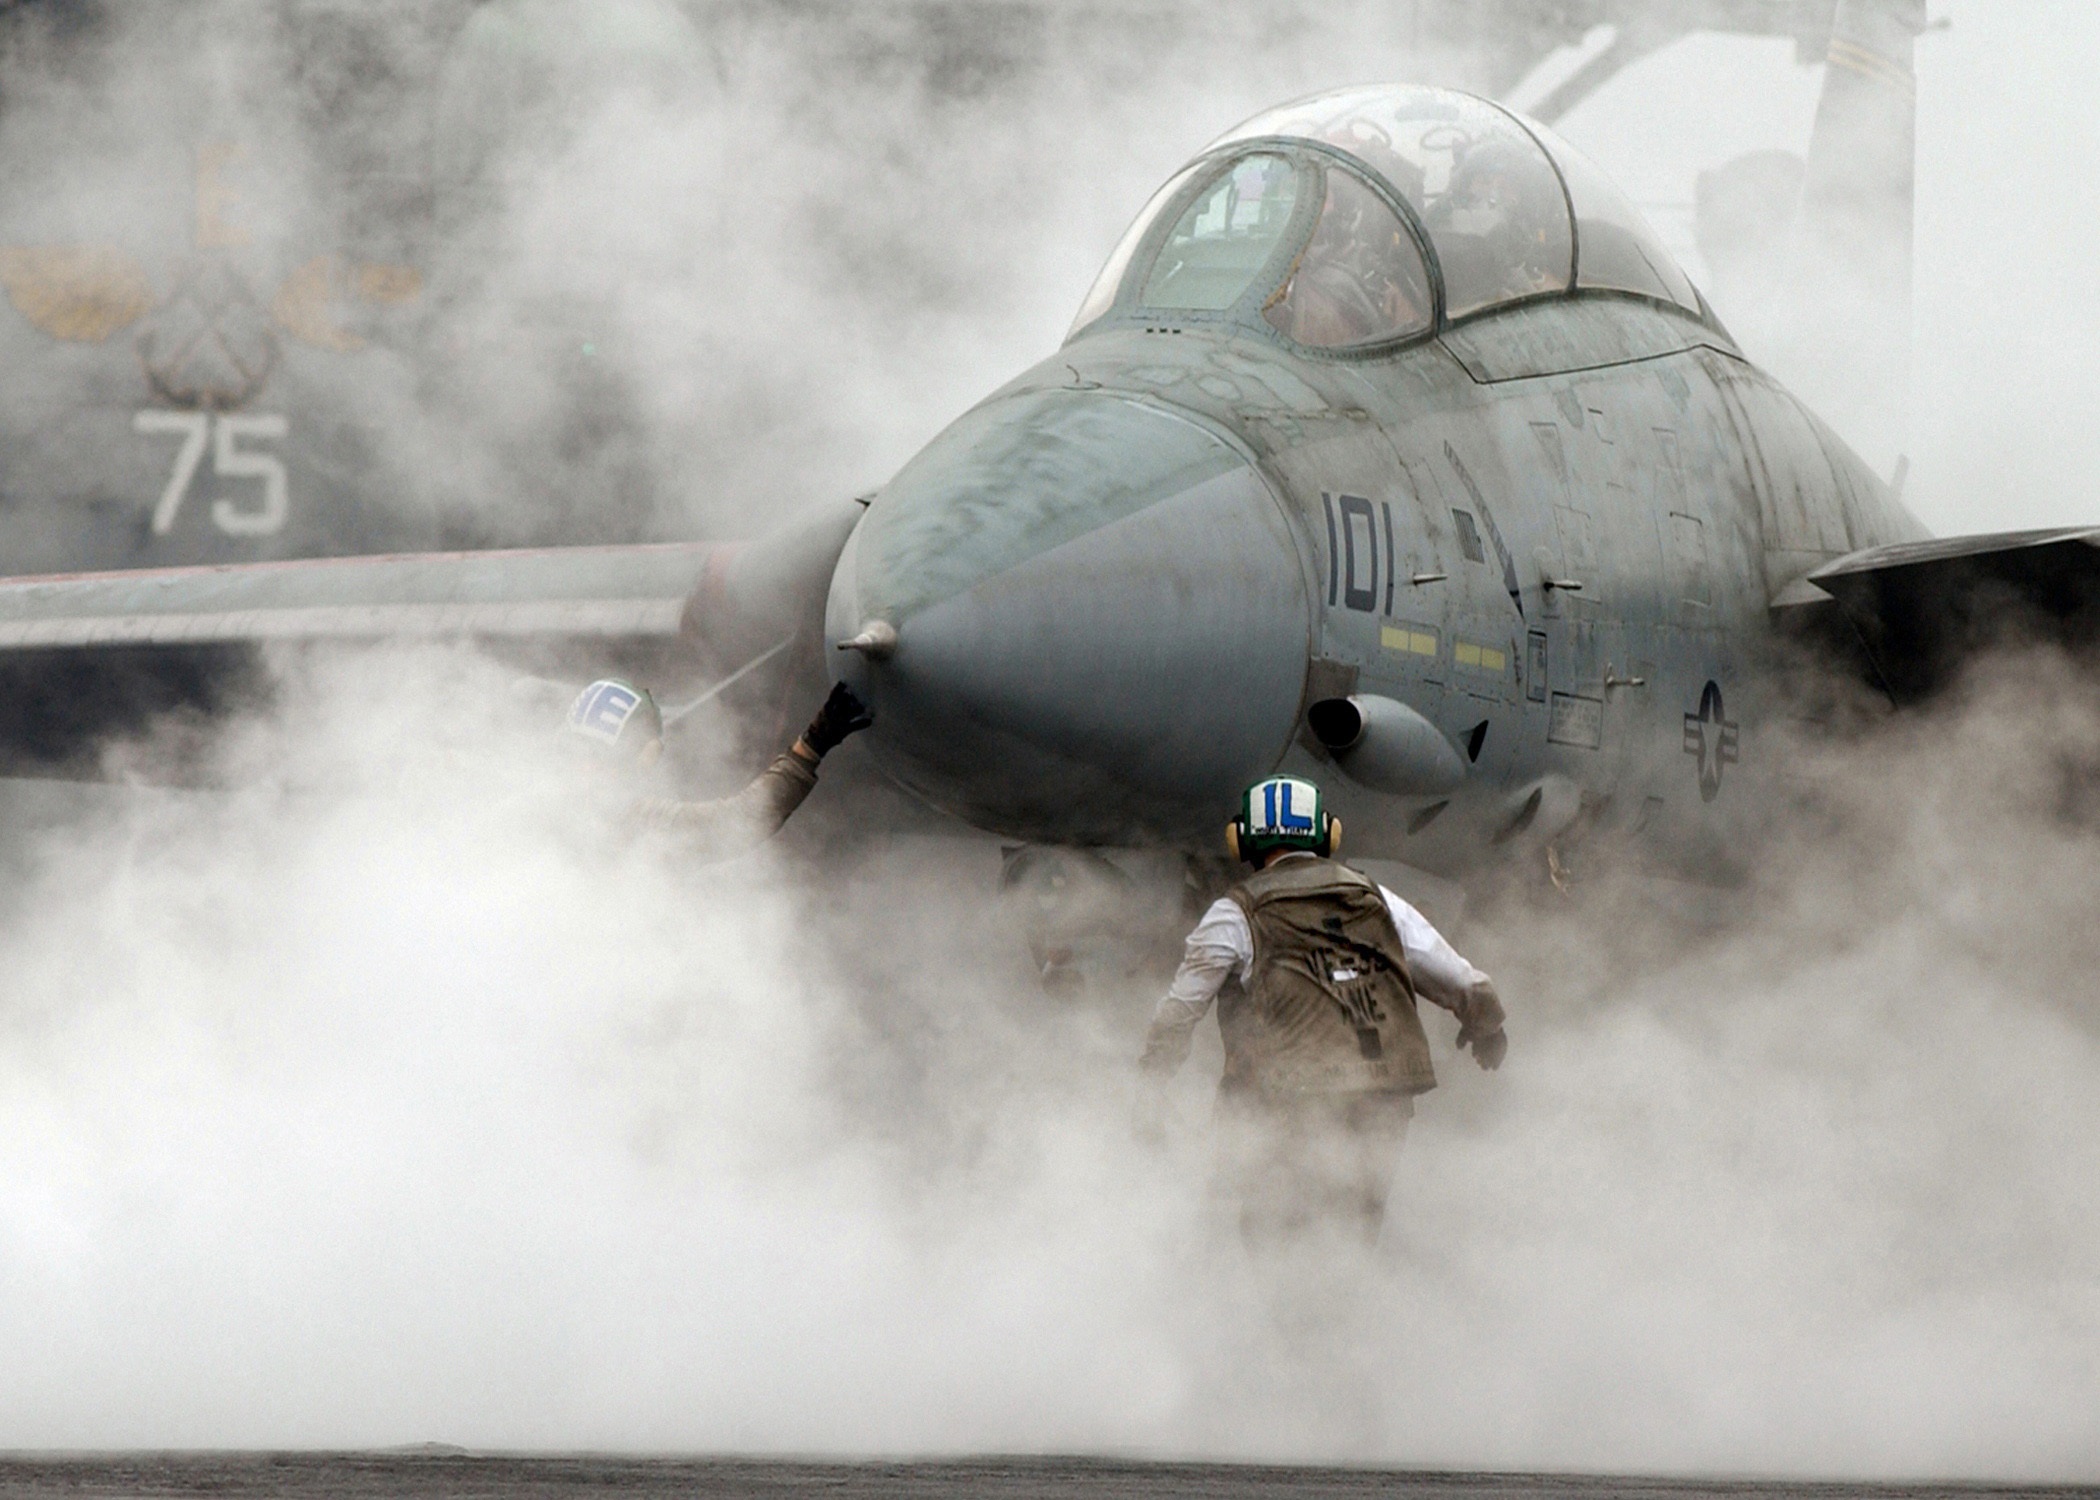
1329	1005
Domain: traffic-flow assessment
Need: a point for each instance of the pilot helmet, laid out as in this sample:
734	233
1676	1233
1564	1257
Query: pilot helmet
1282	812
1486	184
619	719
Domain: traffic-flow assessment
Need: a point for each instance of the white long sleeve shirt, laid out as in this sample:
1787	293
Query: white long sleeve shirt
1222	948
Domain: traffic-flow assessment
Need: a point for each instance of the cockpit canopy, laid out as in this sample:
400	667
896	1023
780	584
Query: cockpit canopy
1358	219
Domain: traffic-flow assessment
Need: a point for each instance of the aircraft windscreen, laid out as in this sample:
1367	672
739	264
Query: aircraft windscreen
1225	238
1102	295
1359	280
1484	189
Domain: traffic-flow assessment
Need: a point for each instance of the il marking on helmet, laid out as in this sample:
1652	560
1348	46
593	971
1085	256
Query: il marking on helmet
1277	814
1281	813
1712	736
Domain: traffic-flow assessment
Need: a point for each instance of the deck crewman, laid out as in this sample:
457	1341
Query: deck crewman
623	719
1315	970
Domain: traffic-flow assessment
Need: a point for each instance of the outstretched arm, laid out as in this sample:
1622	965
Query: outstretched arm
1445	978
729	826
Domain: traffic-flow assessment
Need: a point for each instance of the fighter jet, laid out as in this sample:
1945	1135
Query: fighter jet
1391	448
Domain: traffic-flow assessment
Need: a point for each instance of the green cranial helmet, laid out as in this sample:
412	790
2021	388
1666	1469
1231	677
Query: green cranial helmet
1282	813
617	717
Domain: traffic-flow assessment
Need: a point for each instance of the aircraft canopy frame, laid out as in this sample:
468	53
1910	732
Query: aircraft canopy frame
1364	218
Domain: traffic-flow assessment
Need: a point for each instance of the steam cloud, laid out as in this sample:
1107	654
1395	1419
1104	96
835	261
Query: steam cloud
409	1105
388	1098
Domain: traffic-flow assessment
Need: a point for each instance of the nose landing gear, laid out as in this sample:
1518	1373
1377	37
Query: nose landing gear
1089	924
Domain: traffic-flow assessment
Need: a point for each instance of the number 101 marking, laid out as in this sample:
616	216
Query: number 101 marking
228	460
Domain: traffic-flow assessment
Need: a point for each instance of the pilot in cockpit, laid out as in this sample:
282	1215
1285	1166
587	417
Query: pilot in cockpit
1370	144
1345	290
1359	278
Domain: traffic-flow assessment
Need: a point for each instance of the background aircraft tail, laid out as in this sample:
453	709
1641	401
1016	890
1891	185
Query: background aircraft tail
1852	281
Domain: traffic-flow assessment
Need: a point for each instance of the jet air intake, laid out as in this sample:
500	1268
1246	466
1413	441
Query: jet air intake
1386	746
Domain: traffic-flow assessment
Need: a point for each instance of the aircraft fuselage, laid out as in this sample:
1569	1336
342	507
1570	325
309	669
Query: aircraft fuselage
1121	582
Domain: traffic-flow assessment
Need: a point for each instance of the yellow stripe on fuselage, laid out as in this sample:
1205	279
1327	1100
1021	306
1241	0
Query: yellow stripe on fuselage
1411	639
1473	654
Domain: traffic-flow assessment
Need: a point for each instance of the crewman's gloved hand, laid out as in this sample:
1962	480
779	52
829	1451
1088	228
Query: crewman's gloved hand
1480	1021
842	714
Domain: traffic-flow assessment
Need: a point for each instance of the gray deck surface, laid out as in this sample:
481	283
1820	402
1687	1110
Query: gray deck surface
416	1474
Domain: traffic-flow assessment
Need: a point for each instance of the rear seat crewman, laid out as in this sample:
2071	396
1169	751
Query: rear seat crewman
1316	969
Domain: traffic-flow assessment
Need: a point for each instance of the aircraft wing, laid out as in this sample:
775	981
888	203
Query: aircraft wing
1918	608
84	655
727	599
621	592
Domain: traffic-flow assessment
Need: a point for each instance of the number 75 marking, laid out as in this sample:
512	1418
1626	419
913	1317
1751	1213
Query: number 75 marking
228	460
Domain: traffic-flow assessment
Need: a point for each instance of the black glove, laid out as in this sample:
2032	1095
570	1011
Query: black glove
841	715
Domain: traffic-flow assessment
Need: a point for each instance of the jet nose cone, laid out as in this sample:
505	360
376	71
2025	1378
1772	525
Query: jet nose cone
1091	621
